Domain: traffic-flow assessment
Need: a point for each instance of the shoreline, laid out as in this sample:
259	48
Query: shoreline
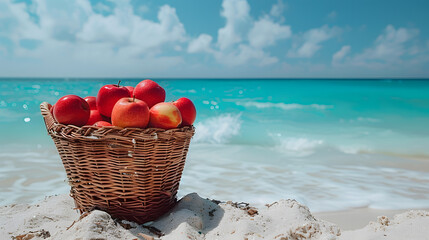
197	218
324	182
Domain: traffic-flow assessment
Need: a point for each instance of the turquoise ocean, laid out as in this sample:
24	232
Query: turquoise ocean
330	144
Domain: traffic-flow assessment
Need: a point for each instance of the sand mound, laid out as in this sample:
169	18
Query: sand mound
198	218
409	225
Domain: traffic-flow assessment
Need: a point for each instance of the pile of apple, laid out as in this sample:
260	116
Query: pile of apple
139	107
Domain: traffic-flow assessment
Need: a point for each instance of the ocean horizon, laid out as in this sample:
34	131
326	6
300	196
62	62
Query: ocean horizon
217	78
332	144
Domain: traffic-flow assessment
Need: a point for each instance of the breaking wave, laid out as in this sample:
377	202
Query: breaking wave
298	146
219	129
283	106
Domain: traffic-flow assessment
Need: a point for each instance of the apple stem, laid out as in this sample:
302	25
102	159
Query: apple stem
119	82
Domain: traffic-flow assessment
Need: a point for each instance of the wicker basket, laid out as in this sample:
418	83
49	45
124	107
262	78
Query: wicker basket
131	173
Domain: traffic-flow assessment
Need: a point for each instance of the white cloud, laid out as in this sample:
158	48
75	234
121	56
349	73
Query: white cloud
277	9
19	24
241	40
101	7
396	52
132	34
79	24
236	13
245	54
283	106
104	29
76	41
71	39
265	33
389	47
338	56
200	44
311	41
61	20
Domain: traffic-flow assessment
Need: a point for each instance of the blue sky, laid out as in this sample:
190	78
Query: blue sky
229	38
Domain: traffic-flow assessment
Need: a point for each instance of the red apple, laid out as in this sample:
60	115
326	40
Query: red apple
72	109
187	110
52	110
130	112
94	117
131	90
108	96
92	101
102	124
165	115
150	92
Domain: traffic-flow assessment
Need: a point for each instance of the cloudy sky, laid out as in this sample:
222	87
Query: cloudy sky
229	38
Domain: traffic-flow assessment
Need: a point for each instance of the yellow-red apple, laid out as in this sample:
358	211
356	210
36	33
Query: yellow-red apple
102	124
165	115
130	112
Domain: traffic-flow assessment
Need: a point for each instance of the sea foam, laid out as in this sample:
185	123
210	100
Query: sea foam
324	180
283	106
297	146
218	129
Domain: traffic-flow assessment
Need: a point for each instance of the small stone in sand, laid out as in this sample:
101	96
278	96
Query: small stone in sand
27	236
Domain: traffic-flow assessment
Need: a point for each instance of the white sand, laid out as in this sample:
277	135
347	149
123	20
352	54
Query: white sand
409	225
198	218
360	216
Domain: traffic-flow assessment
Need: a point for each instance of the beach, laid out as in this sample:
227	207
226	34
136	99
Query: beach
195	217
347	152
277	119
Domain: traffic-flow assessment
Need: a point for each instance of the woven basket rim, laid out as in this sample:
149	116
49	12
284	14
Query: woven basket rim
55	127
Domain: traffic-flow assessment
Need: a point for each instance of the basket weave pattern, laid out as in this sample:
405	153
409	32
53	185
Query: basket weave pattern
131	173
